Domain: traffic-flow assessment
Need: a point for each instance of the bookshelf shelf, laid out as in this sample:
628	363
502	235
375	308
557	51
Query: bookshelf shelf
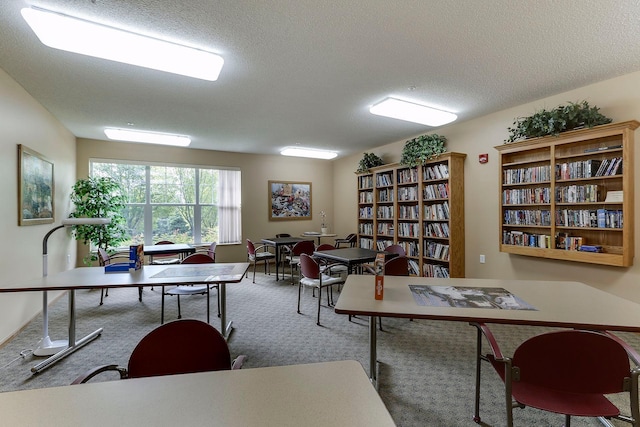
575	170
424	205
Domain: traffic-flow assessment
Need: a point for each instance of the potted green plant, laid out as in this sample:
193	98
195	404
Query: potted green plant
423	148
368	161
99	198
574	115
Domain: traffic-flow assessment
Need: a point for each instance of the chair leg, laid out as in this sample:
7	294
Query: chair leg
254	272
179	311
208	305
162	308
319	300
299	293
218	292
380	323
567	420
140	294
101	295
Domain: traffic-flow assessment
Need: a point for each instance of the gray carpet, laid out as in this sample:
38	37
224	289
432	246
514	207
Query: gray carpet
426	373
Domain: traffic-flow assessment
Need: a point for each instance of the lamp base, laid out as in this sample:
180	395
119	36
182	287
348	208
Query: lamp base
46	347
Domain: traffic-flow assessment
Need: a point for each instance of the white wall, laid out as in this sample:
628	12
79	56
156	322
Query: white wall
25	121
617	98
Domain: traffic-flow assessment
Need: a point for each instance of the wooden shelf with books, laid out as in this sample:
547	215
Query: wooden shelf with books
420	208
570	197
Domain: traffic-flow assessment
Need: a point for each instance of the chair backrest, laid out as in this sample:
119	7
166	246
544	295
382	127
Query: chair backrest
398	266
103	257
325	247
283	235
396	249
303	247
251	248
212	250
180	347
309	267
166	242
199	258
574	361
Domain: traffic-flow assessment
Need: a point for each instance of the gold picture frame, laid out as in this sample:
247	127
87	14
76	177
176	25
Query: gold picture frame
289	200
35	188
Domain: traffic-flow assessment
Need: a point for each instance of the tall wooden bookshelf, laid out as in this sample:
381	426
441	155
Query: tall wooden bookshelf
558	194
420	208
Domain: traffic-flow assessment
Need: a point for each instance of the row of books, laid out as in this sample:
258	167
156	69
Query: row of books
366	213
436	250
366	243
414	268
409	212
436	191
408	229
437	212
520	238
365	181
527	175
366	197
381	245
576	170
438	171
577	193
569	243
610	218
385	228
538	217
406	176
408	193
384	212
411	248
435	270
437	229
384	179
366	228
385	195
610	167
576	218
526	196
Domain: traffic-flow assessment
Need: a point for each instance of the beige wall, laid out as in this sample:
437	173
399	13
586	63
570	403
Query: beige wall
256	171
25	121
618	98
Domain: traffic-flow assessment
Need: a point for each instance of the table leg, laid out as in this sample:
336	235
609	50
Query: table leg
373	357
278	263
226	328
73	344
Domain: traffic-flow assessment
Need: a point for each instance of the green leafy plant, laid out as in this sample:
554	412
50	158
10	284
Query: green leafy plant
423	148
99	198
368	161
553	122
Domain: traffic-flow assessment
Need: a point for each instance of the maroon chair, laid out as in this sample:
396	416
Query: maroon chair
164	259
257	254
567	372
182	290
302	247
349	241
396	249
178	347
313	277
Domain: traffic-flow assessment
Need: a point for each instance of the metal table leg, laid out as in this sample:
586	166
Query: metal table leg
373	357
227	328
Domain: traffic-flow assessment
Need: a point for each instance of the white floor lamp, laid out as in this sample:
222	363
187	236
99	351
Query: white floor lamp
47	347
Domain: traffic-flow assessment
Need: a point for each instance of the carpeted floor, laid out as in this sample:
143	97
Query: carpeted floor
426	372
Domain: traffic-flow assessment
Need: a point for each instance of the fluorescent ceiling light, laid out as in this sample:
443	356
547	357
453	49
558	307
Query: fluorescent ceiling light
87	38
412	112
309	152
148	137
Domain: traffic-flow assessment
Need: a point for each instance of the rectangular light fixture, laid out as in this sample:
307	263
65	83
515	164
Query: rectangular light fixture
309	152
412	112
147	137
87	38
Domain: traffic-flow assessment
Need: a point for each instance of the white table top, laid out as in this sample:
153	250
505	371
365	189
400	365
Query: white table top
557	303
148	275
320	394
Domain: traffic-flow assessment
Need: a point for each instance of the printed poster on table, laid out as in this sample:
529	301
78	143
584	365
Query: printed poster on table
467	297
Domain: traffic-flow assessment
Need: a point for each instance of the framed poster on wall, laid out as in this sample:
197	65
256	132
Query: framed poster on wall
289	200
35	188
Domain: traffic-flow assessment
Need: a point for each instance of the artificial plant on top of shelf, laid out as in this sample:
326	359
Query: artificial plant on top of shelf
552	122
423	148
368	161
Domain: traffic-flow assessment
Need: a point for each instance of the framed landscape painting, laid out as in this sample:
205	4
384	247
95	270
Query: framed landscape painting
35	188
289	200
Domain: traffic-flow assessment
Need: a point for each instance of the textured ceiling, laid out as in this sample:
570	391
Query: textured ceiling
305	72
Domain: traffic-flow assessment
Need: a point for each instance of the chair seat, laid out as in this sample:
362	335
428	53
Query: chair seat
187	290
561	402
264	255
166	261
326	281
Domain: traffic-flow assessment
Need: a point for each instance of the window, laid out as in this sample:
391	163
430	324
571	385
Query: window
182	204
